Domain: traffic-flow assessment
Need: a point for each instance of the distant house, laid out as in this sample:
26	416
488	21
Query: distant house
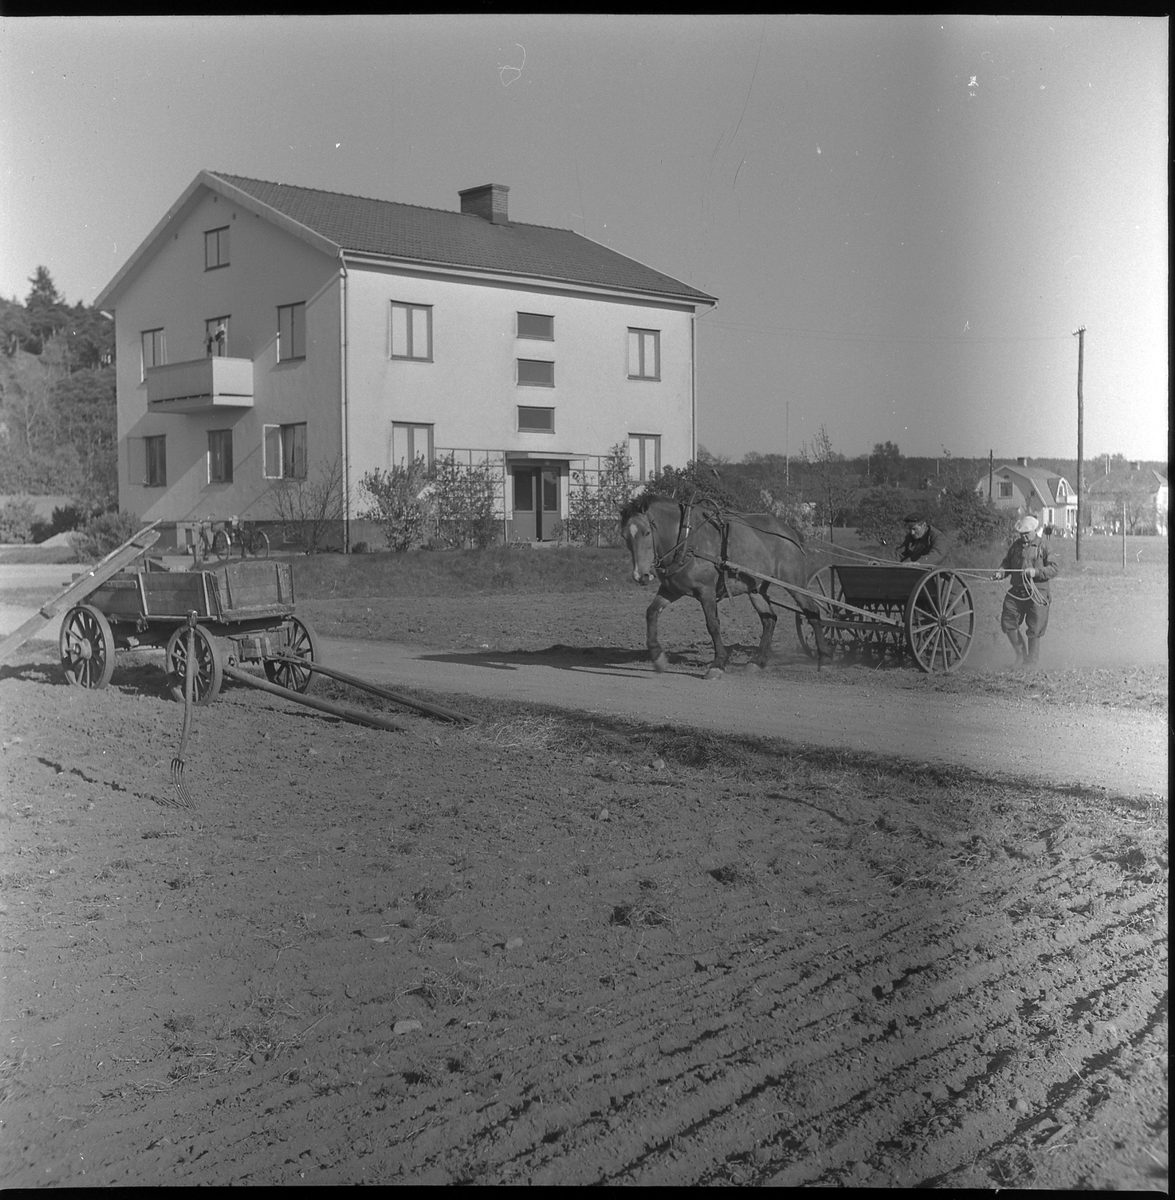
267	333
1022	489
1143	495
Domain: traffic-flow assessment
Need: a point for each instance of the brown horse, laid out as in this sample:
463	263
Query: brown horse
690	549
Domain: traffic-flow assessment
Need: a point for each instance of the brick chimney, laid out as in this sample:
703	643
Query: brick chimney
487	202
1022	462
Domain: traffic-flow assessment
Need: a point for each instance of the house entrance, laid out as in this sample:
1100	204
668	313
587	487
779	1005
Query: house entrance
536	502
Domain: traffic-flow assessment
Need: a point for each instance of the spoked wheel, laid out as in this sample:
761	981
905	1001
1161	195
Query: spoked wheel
87	647
209	672
825	583
303	644
221	546
259	546
940	622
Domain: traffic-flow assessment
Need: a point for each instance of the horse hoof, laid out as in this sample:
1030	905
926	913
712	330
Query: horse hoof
715	673
661	663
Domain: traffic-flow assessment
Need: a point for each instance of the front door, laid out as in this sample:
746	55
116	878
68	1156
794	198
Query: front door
536	502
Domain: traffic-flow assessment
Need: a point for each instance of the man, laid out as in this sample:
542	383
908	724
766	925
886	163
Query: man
924	544
1031	567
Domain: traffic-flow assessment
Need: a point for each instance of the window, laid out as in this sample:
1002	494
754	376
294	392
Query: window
644	449
216	337
285	451
411	442
644	354
154	350
535	420
535	325
533	372
1005	489
216	249
412	331
291	332
220	456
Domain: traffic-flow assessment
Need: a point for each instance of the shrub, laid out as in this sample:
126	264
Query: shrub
16	521
593	505
310	510
398	505
695	483
962	511
104	533
879	516
462	502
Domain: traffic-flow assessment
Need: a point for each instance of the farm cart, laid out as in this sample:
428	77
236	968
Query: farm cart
244	613
926	615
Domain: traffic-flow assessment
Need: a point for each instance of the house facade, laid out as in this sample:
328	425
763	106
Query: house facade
1021	488
1131	493
271	335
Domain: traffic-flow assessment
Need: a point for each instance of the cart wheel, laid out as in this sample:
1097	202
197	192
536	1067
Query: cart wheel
836	640
303	643
209	674
940	621
260	545
87	647
221	546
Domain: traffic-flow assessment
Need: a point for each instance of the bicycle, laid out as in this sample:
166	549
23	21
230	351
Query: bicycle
219	537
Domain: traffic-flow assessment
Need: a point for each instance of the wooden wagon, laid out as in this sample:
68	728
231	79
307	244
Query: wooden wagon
244	613
906	612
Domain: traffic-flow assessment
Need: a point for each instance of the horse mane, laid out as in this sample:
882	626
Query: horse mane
640	504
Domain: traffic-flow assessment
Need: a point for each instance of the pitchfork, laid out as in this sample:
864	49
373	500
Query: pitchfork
177	763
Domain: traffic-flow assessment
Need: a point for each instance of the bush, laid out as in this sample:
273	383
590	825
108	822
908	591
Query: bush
462	501
16	521
104	533
971	518
64	520
592	506
397	504
880	516
695	483
310	510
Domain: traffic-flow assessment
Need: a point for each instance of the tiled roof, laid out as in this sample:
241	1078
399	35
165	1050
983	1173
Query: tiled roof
430	235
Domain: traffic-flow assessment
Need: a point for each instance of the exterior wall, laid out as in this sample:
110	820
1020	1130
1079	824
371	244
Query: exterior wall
267	267
469	391
1024	499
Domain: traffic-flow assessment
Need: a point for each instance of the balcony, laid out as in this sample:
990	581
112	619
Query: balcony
202	385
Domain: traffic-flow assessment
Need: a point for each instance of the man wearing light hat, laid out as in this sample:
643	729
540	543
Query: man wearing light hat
1027	601
925	545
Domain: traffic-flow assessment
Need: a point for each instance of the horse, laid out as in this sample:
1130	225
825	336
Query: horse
696	550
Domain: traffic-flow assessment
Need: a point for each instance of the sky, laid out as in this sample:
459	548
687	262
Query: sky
904	219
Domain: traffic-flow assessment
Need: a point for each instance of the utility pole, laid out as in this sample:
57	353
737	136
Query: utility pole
1079	334
990	473
787	449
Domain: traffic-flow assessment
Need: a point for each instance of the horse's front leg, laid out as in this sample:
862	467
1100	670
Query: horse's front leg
767	615
710	610
823	654
657	655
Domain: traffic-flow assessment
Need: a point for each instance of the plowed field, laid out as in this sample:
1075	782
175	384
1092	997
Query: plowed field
559	949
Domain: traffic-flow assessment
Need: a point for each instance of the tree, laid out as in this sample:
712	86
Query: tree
879	516
835	485
45	308
695	482
397	503
885	465
593	504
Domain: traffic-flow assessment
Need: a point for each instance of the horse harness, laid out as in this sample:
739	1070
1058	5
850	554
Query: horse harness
680	555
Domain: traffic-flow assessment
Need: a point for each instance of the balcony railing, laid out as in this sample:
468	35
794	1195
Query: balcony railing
200	385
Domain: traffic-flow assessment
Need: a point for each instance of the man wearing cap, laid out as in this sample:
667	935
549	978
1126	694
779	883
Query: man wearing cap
924	544
1027	601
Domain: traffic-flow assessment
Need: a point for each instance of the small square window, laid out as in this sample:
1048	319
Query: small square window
644	354
534	372
411	443
291	332
1005	489
216	248
535	420
536	325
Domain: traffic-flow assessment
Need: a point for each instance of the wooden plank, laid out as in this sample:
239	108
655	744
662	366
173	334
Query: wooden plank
876	618
355	715
81	588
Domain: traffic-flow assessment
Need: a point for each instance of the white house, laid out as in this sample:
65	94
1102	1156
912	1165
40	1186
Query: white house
268	332
1021	488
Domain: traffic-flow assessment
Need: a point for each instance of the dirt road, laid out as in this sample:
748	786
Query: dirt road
1123	752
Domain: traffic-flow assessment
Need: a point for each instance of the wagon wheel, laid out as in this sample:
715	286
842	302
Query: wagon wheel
826	584
303	643
87	647
209	672
940	621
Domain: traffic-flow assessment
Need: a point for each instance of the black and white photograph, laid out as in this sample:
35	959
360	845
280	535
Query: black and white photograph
584	600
